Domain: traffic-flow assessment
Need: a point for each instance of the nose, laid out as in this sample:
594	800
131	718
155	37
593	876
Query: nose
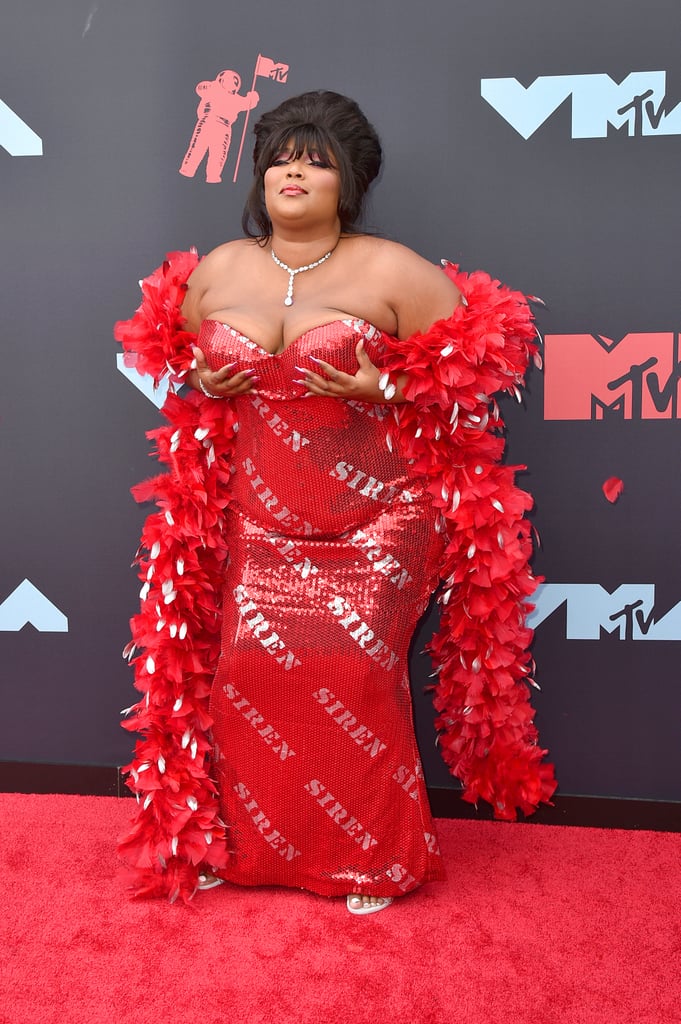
295	168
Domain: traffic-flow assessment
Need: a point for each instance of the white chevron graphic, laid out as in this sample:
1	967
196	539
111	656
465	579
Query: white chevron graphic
27	605
16	136
144	383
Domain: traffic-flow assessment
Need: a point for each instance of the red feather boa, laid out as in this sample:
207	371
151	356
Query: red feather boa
451	427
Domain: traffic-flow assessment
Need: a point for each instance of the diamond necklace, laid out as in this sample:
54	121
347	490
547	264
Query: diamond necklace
288	301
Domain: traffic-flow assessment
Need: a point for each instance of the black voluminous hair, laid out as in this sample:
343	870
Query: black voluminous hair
325	123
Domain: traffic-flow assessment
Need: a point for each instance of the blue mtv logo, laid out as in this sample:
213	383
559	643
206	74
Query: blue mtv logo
628	612
638	103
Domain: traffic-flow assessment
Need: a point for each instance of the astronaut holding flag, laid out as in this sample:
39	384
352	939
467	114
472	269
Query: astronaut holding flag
220	106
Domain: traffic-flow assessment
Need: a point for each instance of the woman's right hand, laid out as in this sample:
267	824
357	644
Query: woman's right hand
220	383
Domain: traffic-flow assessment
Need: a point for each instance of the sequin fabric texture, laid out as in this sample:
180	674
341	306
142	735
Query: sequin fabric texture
333	556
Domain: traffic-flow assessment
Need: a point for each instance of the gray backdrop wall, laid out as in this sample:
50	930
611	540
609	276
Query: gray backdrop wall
541	141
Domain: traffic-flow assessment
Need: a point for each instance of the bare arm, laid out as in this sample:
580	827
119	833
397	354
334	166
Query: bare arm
421	292
219	383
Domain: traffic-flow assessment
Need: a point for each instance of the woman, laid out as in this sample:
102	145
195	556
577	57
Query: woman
336	505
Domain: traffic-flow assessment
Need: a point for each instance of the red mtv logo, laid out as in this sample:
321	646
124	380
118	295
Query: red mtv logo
589	377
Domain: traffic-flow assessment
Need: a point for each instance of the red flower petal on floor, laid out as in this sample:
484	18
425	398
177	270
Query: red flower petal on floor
612	488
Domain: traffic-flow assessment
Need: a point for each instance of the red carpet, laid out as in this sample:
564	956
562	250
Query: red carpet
536	925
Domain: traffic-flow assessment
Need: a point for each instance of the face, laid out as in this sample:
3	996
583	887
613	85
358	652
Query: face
304	187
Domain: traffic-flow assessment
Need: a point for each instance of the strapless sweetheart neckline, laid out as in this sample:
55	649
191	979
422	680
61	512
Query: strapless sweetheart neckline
350	321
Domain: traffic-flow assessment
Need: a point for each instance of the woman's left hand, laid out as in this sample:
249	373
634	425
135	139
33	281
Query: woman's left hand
328	382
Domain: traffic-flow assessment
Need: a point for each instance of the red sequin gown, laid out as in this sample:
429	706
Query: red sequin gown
334	553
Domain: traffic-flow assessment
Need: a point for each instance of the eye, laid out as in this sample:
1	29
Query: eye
318	161
281	158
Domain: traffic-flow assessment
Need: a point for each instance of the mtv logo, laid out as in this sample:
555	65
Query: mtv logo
590	610
591	377
637	103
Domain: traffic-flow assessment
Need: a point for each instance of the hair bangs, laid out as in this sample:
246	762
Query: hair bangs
301	139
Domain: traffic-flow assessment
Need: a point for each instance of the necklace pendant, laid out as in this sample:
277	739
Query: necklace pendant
291	271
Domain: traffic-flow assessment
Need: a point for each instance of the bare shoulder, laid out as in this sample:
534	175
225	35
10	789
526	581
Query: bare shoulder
217	265
418	291
223	258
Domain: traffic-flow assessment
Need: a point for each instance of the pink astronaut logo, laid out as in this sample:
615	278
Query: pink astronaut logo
221	104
